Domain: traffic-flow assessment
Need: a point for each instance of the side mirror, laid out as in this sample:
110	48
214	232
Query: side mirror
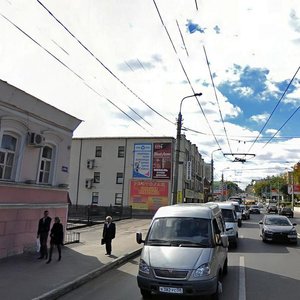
224	240
260	222
139	238
294	224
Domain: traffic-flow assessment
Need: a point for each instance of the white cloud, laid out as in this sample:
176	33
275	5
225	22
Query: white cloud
260	118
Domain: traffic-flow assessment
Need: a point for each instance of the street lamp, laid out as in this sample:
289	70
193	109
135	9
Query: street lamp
178	137
212	172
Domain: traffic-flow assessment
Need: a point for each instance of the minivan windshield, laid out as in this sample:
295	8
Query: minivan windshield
228	215
180	232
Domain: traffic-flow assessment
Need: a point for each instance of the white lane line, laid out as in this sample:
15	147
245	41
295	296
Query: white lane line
242	279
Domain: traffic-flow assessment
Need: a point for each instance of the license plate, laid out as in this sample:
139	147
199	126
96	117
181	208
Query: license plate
170	290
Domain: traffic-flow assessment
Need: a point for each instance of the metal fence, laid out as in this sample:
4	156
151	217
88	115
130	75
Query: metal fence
72	237
83	215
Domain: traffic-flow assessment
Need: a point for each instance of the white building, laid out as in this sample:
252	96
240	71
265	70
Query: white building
133	171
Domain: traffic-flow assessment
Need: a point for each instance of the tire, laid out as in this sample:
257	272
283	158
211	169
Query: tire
215	295
225	267
145	293
239	223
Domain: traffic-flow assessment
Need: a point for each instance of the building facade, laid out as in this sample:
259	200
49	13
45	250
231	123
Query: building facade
136	171
35	144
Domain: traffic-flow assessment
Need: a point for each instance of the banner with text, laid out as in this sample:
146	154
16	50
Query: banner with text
142	160
162	160
148	194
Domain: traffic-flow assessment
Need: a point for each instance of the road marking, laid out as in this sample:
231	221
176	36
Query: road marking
242	279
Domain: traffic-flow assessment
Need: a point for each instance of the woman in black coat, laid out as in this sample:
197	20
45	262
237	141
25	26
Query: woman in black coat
57	237
109	233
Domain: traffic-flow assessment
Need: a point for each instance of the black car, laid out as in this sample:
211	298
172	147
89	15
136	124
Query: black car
272	209
278	229
254	209
286	211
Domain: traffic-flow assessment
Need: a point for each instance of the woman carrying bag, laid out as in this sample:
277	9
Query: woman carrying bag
57	237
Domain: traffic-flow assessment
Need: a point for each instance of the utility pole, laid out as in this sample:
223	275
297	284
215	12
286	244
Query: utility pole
178	139
212	173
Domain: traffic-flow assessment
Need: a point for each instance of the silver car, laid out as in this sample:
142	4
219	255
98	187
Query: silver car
185	252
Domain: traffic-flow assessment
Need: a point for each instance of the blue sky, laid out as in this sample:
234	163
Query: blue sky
123	67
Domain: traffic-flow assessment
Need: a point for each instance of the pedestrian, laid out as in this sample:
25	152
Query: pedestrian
57	237
42	234
109	233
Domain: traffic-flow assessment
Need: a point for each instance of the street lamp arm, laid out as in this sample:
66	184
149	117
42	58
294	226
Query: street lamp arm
195	95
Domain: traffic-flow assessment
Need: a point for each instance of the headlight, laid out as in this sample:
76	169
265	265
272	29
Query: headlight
143	267
293	232
203	270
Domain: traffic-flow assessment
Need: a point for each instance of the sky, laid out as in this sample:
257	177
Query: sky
127	67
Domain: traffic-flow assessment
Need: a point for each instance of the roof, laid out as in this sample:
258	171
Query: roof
192	210
225	205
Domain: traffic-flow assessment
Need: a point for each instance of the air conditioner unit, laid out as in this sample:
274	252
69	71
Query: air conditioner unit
90	163
89	183
35	139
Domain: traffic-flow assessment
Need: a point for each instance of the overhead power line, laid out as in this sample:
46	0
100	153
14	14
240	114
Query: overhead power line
68	68
185	73
216	96
285	91
104	66
281	126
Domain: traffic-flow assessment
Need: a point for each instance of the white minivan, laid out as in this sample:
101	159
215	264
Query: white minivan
185	251
231	222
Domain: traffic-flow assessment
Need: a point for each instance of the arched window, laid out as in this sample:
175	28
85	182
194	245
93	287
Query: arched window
46	165
7	156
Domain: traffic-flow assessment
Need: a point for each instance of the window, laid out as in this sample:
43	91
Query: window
45	166
95	197
118	198
7	155
121	151
98	152
96	177
119	178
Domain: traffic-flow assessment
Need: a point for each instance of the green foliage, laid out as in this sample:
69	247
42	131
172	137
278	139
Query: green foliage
264	186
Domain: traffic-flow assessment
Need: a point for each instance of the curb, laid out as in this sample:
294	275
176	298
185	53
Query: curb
72	285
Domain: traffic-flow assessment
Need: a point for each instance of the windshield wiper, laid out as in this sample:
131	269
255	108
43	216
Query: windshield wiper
184	243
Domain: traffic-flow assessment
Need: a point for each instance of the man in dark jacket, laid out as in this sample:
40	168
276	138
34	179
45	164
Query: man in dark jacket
109	233
43	232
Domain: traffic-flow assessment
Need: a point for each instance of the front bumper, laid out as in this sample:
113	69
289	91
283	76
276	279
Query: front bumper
189	288
280	237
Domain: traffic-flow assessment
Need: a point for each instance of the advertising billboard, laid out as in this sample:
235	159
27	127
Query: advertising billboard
142	160
148	194
162	160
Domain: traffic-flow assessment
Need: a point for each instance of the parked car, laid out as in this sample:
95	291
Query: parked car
286	211
245	212
254	209
278	229
272	209
185	251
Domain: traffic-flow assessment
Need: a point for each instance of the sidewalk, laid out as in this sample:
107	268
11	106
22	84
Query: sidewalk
24	277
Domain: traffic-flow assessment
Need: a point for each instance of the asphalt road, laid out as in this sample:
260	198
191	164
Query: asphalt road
257	271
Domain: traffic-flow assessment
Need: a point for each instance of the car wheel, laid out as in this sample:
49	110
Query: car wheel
239	223
225	267
215	295
146	294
